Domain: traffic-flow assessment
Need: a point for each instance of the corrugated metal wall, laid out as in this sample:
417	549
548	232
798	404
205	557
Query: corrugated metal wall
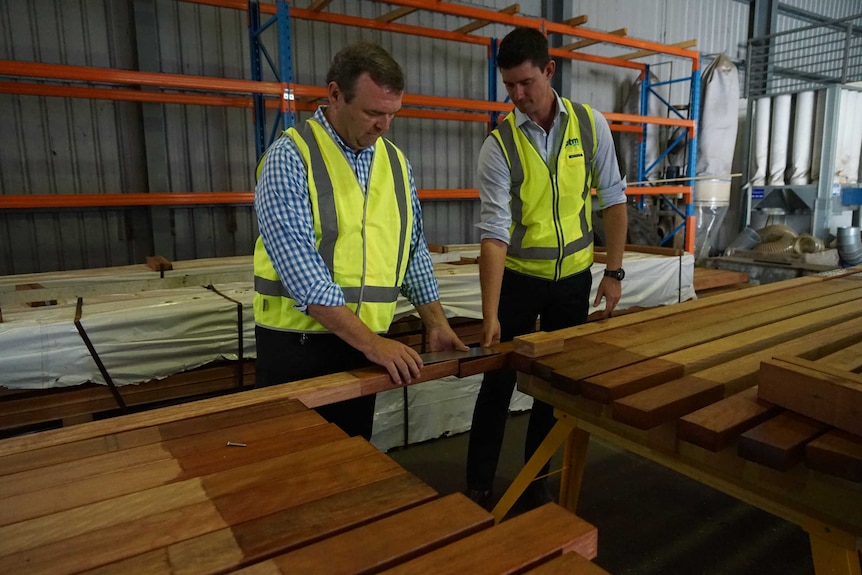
57	145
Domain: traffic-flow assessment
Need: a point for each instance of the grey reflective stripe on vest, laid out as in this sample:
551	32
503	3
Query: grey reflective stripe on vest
325	200
585	126
373	294
401	198
516	177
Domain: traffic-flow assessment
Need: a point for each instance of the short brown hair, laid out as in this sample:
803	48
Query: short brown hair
359	58
521	45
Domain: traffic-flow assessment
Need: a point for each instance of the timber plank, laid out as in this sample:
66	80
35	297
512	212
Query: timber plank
705	346
700	304
741	373
129	479
135	421
836	453
313	521
801	386
570	378
181	522
69	471
707	278
568	564
725	349
106	545
847	359
779	442
657	405
716	426
717	321
135	505
512	546
577	351
47	456
281	532
630	379
391	540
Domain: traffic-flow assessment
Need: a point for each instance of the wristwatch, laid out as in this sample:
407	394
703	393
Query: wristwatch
616	274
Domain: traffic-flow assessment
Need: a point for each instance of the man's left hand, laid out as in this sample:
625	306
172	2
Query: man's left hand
611	290
443	338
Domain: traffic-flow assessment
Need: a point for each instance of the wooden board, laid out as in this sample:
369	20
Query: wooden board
779	442
814	390
520	543
389	541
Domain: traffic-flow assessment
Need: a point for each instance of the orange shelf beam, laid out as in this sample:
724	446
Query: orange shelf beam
121	200
454	194
546	26
155	79
127	95
42	201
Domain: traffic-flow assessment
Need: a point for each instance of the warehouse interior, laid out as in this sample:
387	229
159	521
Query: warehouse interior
132	132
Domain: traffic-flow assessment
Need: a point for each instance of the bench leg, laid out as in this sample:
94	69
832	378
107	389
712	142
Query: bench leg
574	461
558	434
834	551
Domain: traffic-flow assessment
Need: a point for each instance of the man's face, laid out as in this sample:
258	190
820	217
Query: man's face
529	87
367	116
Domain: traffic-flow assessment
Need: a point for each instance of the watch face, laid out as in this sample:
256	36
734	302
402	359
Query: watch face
616	274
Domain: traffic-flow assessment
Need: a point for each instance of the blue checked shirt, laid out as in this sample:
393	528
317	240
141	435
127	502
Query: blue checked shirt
283	207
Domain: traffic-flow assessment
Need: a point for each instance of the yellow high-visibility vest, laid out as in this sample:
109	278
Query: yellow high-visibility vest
551	235
364	238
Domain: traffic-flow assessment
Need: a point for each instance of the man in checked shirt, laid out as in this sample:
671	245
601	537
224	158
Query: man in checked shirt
340	236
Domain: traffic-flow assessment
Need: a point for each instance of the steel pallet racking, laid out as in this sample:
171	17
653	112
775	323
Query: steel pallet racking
287	97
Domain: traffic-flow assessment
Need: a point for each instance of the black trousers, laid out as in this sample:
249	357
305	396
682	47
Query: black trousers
286	356
522	299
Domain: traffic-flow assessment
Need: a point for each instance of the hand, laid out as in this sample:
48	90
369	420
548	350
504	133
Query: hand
490	331
443	338
402	362
611	290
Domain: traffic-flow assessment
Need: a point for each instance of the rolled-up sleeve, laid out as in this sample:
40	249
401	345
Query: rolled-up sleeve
610	185
492	175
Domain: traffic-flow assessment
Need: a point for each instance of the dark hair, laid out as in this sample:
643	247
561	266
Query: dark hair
359	58
523	44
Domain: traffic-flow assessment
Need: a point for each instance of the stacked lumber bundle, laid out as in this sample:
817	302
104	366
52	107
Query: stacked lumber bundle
252	482
768	375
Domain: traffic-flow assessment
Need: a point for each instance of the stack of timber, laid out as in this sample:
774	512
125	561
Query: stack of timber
758	388
254	483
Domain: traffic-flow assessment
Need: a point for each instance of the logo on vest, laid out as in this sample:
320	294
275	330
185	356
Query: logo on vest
573	142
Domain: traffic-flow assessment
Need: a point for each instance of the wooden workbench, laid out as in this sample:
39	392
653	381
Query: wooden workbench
756	393
252	482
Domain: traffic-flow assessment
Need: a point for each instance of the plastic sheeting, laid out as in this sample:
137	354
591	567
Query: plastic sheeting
139	337
719	118
152	334
762	117
651	281
779	139
803	127
434	409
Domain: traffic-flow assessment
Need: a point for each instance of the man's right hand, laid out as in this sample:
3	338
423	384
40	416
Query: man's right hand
402	362
490	331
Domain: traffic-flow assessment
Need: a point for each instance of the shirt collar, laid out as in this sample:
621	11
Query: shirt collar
521	118
320	117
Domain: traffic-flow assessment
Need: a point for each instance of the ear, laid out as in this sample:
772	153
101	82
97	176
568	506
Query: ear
334	92
550	69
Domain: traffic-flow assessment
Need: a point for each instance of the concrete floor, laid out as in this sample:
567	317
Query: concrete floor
650	520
